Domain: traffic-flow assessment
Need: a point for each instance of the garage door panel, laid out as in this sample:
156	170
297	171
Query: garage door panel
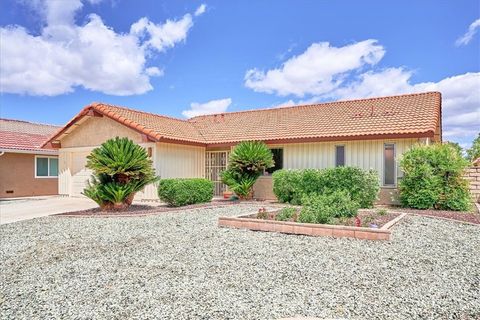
80	174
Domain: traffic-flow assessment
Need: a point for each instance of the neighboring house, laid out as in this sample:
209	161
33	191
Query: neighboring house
368	133
25	168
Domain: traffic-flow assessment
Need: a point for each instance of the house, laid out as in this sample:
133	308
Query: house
368	133
26	169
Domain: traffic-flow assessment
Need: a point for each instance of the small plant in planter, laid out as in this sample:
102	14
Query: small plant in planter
120	168
287	214
247	162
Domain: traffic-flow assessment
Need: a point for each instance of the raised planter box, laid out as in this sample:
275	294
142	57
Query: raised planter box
310	229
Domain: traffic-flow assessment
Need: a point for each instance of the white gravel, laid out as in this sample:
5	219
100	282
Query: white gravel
182	266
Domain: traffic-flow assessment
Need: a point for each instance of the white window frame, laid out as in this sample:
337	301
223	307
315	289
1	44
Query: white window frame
344	155
47	176
394	185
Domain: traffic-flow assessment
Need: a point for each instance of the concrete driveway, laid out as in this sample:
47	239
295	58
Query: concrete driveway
19	209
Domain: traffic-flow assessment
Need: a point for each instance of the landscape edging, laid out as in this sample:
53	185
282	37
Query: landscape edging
309	229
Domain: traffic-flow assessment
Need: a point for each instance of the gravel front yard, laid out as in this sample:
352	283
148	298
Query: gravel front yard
180	265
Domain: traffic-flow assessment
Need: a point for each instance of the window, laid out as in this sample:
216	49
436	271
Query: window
278	158
339	156
389	164
46	167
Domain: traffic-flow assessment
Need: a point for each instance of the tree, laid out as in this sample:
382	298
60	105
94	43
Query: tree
247	162
120	168
474	152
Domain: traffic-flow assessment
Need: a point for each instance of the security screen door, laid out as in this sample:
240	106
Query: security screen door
215	163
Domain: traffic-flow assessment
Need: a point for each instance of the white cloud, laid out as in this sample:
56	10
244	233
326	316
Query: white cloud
162	36
460	96
200	10
210	107
318	70
468	36
339	78
65	55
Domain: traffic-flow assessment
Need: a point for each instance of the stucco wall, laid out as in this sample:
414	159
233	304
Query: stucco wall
93	131
17	174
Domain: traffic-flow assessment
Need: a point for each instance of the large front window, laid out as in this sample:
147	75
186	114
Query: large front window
46	167
278	158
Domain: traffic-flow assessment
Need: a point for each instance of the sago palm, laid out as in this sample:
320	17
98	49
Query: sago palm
120	168
247	162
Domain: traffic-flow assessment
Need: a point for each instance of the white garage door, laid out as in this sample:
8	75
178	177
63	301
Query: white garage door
80	174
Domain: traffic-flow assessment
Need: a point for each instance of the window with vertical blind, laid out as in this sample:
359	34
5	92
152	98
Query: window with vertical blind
389	167
339	156
46	167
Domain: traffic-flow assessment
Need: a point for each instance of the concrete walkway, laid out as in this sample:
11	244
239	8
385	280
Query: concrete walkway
19	209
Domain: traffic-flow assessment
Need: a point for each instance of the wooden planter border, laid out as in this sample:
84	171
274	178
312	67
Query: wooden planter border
310	229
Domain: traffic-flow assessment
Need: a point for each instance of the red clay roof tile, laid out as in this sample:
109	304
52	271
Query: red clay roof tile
23	135
411	114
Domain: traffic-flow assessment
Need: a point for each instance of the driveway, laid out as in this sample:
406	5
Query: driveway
28	208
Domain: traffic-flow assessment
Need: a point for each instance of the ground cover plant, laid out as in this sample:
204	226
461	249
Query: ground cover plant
291	186
247	162
181	192
433	178
120	168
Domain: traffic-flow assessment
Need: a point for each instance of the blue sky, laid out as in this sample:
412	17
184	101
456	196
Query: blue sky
183	58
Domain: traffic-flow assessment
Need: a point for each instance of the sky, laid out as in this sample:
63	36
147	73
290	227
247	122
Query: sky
186	58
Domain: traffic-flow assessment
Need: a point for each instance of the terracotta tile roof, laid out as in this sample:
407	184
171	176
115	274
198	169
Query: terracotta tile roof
403	115
395	115
23	135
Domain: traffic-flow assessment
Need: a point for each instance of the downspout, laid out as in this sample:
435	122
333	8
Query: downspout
2	153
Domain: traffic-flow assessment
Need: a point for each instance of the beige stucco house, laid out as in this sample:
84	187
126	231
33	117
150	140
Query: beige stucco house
368	133
26	169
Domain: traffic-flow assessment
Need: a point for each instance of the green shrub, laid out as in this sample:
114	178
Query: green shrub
246	163
120	169
291	185
324	208
382	211
433	178
181	192
286	214
286	186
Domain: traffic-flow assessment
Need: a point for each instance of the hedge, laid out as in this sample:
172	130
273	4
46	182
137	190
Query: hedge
292	185
181	192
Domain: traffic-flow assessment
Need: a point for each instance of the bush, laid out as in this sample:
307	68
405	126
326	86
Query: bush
286	214
120	169
247	162
324	208
433	178
181	192
291	185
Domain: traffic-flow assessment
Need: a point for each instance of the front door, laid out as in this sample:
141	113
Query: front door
215	163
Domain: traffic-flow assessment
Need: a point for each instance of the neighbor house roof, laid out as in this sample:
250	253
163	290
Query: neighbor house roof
23	136
410	115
